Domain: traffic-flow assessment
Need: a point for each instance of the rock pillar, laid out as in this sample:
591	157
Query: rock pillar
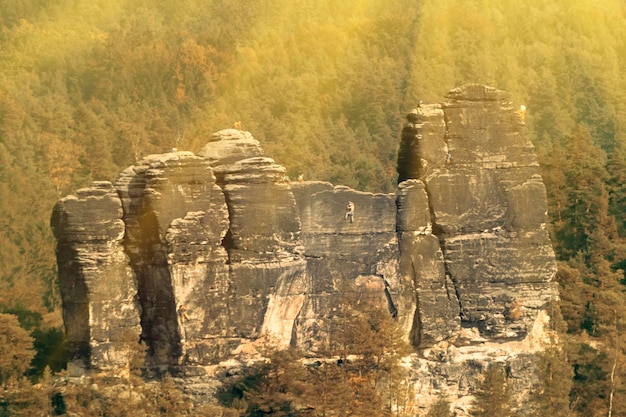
98	287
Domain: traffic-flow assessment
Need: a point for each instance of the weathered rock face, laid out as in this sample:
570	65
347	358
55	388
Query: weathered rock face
204	255
433	296
98	287
175	218
358	256
483	294
488	208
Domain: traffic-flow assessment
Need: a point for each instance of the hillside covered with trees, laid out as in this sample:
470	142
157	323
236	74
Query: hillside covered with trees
89	87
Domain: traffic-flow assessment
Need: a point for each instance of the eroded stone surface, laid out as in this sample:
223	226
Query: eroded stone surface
98	286
229	146
206	255
432	296
488	209
344	256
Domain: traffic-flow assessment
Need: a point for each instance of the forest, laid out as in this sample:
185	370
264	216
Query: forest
88	87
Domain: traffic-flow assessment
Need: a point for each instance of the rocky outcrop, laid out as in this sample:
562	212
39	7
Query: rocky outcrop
206	256
484	294
488	206
98	287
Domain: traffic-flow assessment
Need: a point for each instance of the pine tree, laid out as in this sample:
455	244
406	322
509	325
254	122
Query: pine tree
554	376
493	397
440	409
616	167
16	349
171	401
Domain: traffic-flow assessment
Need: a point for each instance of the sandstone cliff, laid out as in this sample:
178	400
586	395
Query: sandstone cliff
204	255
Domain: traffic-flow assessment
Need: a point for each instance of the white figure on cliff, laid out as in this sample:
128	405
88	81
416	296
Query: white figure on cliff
522	112
349	212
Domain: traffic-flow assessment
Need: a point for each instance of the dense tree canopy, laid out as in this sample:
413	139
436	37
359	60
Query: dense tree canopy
88	87
16	349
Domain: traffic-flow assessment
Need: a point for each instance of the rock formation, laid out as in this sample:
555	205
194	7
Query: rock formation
202	256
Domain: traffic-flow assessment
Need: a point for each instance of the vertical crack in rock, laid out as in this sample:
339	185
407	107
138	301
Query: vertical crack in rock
227	243
436	311
423	154
439	231
391	305
148	259
416	330
449	281
149	263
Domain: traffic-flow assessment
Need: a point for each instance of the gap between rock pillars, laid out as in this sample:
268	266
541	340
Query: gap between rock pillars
148	260
227	241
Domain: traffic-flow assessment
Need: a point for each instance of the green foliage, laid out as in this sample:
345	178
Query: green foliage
102	396
576	182
494	395
49	343
51	347
16	349
42	399
440	409
616	169
170	401
364	379
554	376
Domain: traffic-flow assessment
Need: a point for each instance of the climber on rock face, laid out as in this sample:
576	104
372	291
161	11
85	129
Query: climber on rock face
182	311
349	212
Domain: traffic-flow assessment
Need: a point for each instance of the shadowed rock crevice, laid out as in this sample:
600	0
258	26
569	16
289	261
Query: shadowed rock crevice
227	242
167	199
416	331
391	305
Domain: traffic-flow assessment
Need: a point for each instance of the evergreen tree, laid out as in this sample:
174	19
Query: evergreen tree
440	409
170	401
16	349
493	397
554	377
364	380
616	167
274	386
